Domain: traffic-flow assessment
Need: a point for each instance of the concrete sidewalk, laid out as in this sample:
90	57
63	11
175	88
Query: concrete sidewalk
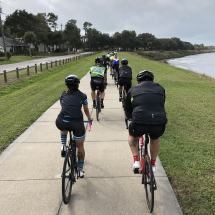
31	166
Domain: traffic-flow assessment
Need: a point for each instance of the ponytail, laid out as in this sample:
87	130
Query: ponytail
72	88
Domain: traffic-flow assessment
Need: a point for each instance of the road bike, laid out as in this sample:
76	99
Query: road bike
70	168
148	178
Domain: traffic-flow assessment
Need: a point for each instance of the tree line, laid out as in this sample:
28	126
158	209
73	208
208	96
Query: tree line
42	29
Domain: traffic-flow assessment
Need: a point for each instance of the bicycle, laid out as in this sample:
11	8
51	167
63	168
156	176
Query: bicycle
98	105
124	94
148	178
70	168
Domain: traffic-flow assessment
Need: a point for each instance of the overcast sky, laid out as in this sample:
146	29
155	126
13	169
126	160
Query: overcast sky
190	20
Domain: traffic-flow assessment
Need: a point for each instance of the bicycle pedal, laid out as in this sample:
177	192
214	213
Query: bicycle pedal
136	171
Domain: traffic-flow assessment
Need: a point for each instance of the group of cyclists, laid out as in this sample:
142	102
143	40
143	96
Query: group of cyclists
144	106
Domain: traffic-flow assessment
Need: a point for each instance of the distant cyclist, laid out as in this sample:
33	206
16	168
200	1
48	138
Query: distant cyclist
71	117
103	61
115	65
145	105
111	63
97	72
125	77
108	59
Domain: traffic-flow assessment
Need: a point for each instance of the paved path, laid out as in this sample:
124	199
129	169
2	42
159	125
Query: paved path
31	166
24	64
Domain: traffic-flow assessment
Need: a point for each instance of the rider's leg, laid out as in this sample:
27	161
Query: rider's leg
154	148
93	95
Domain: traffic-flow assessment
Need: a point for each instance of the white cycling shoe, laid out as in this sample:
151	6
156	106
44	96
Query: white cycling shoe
63	150
81	173
136	166
154	168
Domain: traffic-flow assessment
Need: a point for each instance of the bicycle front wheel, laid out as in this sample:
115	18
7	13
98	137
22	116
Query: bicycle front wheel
68	178
148	183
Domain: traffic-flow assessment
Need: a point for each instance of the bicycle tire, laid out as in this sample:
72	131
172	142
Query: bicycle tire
97	108
68	178
148	183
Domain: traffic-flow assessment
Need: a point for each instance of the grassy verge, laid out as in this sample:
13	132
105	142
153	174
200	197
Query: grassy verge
187	149
16	59
162	55
22	102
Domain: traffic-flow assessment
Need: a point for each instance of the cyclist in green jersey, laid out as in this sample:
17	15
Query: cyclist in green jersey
98	73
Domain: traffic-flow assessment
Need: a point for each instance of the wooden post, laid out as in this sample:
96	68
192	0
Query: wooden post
17	72
35	68
63	61
41	67
27	70
70	59
47	66
51	64
60	62
5	76
56	63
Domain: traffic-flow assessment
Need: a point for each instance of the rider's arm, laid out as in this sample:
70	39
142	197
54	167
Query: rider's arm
128	106
87	112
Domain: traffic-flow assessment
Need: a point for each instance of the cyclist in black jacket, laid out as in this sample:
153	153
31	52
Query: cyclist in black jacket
125	77
144	104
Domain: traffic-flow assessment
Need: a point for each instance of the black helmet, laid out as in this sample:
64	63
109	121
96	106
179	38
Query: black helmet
124	61
72	80
145	76
97	60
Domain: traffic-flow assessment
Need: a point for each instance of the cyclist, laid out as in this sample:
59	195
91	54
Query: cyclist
115	66
145	105
98	73
125	77
103	61
111	63
108	59
71	117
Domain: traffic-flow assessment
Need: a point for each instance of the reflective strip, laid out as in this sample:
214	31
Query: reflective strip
85	102
79	138
65	120
132	99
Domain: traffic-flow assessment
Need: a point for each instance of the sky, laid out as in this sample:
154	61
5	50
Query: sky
190	20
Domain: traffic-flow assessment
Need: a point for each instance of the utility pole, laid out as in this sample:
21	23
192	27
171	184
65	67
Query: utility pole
2	32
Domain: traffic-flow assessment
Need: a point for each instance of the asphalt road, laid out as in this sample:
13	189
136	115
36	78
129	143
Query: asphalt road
24	64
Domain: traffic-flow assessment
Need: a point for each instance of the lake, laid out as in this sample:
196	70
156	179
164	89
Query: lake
201	63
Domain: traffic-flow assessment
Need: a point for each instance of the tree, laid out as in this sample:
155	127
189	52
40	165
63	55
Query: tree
129	39
86	26
30	38
144	38
72	33
51	19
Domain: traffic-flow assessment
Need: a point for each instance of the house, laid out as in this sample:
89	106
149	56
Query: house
13	44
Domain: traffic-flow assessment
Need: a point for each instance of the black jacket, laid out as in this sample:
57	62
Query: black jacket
145	104
125	72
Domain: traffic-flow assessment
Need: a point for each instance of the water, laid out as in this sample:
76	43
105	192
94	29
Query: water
201	63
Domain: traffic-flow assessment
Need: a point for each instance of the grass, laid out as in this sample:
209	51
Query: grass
16	59
187	146
187	149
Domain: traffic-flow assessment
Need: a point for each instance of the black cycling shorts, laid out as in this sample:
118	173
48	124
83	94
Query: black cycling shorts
155	131
97	83
116	67
77	127
125	81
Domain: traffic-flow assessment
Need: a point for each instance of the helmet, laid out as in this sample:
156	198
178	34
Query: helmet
103	55
72	80
145	75
97	60
124	61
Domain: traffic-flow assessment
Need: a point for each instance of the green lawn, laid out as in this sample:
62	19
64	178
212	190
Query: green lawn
16	59
187	146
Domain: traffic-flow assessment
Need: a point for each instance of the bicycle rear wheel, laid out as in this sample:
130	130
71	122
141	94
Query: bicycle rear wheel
97	107
148	183
68	178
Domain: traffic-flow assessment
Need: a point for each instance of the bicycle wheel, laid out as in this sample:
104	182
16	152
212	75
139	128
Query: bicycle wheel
148	183
97	108
123	99
68	178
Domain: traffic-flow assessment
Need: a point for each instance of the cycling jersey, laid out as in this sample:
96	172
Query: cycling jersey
71	105
104	61
125	72
115	61
97	71
145	104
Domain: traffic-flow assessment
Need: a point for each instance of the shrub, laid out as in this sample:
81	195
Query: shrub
9	55
2	54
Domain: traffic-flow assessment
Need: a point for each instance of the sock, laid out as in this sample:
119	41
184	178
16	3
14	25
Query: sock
94	101
135	158
80	165
63	139
102	100
120	94
153	162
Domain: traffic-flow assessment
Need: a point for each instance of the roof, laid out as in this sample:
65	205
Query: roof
11	42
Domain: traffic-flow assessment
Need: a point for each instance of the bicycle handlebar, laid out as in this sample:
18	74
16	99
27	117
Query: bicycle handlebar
90	123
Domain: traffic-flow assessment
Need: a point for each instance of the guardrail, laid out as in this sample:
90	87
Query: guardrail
26	71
